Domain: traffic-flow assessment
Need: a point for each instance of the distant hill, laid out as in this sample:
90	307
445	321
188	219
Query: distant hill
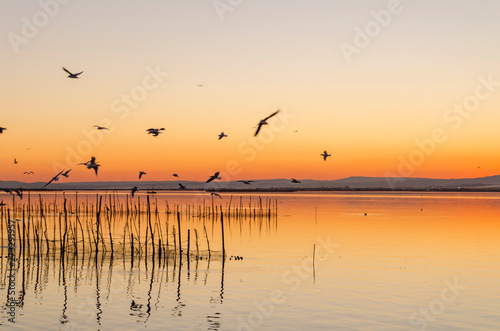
350	183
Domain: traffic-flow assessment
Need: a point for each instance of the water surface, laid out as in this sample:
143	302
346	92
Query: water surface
326	261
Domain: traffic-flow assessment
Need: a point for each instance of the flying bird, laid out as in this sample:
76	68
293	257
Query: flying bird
176	175
134	189
2	129
264	122
155	132
222	135
215	194
71	75
141	173
295	181
29	173
91	165
55	178
66	174
12	191
200	85
214	176
325	155
181	187
100	127
247	182
15	161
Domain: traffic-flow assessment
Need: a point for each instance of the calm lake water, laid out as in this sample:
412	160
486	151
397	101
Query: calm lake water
326	261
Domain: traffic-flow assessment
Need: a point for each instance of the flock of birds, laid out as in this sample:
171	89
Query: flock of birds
155	132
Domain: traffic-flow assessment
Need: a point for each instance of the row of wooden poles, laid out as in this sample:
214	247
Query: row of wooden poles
89	228
112	204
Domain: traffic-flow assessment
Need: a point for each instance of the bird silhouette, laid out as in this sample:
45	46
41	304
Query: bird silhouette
2	129
215	194
29	173
91	165
181	187
66	174
295	181
134	189
155	132
264	122
13	191
141	173
72	75
55	178
222	135
100	127
214	176
325	155
247	182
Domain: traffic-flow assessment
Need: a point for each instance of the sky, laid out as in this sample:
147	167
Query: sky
388	88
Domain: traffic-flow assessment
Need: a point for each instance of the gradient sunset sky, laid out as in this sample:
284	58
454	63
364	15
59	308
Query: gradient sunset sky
373	99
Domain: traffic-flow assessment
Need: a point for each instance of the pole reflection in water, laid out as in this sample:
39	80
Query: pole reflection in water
215	319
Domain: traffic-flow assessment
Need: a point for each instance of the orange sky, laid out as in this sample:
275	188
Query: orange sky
433	67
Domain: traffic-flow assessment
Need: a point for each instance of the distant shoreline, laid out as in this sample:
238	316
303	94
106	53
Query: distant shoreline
350	184
276	190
